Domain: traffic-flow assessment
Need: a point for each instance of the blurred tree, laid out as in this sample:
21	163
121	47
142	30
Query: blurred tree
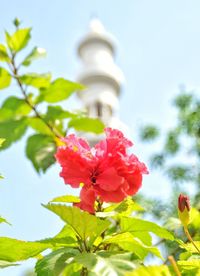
179	160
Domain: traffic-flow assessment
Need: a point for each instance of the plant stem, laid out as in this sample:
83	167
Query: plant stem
84	271
99	206
81	249
190	238
14	70
174	265
85	245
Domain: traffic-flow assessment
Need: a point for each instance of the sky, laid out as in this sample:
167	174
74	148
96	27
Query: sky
158	50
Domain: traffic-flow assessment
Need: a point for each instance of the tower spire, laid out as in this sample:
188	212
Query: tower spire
99	73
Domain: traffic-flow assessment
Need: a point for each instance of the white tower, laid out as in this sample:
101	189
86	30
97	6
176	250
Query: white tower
101	76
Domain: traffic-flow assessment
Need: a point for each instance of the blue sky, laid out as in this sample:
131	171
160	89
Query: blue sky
158	49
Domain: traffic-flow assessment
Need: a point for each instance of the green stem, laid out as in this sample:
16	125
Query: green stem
190	238
99	206
85	245
84	271
174	265
14	70
81	249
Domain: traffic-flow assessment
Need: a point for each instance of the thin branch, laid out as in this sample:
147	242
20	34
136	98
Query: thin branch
85	245
174	265
190	238
97	247
81	249
84	271
14	70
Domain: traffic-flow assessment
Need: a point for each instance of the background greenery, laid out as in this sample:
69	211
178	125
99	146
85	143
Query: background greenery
146	32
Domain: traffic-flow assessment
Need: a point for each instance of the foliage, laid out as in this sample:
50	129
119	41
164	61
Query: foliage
179	160
86	243
1	142
179	157
99	168
32	106
112	239
91	245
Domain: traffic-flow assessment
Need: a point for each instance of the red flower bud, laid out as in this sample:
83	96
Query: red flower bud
184	209
183	202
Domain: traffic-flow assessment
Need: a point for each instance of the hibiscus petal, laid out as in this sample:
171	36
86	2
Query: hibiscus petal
107	196
75	169
135	182
87	194
115	133
88	197
85	207
114	144
109	180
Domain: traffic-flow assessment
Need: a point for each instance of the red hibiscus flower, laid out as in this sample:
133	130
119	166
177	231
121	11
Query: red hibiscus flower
105	172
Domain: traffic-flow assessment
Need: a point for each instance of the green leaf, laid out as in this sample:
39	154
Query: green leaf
190	247
3	54
13	250
36	80
136	224
72	269
184	256
66	231
54	263
5	78
106	263
145	237
3	220
40	150
18	40
87	124
180	173
128	243
86	226
39	125
12	131
1	177
189	264
5	114
56	112
183	101
1	141
65	237
125	208
195	218
16	106
149	133
67	199
4	264
59	90
34	54
156	270
157	160
172	144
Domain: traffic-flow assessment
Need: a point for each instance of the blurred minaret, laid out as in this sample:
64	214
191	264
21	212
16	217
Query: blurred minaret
101	76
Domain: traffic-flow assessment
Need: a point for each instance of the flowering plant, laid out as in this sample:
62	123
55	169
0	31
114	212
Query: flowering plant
106	172
103	232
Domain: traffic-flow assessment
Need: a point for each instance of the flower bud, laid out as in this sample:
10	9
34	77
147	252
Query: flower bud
184	209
